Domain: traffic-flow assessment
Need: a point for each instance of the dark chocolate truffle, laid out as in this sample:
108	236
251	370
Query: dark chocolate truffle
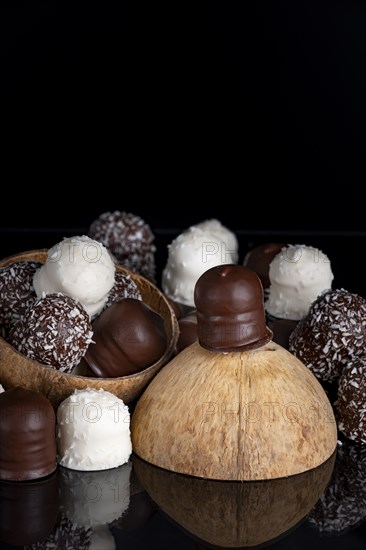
259	258
187	331
16	291
27	435
55	331
333	333
343	504
124	287
230	309
351	403
129	238
28	511
129	336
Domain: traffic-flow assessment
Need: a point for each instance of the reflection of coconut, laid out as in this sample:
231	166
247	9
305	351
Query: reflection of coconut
233	514
94	498
28	510
343	504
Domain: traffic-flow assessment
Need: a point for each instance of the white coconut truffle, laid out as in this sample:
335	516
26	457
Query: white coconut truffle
192	253
93	431
224	234
298	275
80	268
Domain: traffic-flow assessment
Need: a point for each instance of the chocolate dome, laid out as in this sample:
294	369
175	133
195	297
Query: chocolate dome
230	309
259	258
27	435
187	331
129	336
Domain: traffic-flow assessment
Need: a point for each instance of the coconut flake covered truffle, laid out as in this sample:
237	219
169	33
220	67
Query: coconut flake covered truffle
55	331
343	504
332	334
298	274
124	287
81	268
351	403
192	253
129	238
93	431
225	235
16	291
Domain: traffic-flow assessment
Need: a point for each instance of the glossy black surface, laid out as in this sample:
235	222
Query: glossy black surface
138	506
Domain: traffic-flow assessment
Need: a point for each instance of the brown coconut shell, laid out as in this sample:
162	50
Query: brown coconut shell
253	415
17	370
232	514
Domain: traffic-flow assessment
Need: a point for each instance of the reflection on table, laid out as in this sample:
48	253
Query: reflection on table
234	514
139	504
342	506
28	510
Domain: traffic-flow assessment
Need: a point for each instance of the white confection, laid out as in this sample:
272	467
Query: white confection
93	431
91	498
102	538
80	268
192	253
1	389
298	275
226	235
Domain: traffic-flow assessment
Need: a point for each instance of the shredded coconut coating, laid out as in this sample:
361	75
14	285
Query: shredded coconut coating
129	238
124	287
343	504
55	331
351	403
16	291
332	334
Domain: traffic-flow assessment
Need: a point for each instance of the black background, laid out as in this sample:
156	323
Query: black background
264	99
